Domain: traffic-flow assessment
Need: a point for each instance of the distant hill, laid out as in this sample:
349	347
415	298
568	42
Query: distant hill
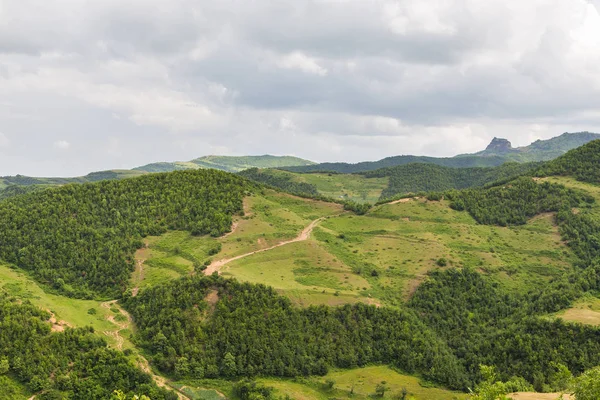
498	152
22	180
228	163
582	163
419	177
14	185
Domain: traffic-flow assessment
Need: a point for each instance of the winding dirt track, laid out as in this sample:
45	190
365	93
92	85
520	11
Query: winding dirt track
216	266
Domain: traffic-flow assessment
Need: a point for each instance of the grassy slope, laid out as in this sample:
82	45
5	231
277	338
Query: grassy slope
339	186
403	242
72	311
345	186
269	218
364	381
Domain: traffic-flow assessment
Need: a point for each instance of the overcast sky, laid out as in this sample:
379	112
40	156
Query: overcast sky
92	85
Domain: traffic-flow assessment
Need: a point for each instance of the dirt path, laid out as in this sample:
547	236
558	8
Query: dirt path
216	266
116	334
160	381
57	326
139	271
405	200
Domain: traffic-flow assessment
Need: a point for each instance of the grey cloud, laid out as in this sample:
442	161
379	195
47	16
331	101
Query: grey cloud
324	79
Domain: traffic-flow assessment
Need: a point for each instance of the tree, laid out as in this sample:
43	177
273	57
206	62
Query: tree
381	388
4	366
587	386
229	366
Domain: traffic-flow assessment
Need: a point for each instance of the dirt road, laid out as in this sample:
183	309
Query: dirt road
216	266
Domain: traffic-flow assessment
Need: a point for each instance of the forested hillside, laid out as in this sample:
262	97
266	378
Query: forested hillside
517	201
581	163
80	239
251	330
415	178
72	364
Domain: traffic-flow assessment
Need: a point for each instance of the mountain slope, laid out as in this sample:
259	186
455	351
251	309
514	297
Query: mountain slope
414	178
582	163
227	163
498	152
80	239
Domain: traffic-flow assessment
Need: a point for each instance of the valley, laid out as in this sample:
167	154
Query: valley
213	279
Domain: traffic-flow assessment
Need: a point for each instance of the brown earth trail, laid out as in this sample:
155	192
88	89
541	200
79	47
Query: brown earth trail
216	266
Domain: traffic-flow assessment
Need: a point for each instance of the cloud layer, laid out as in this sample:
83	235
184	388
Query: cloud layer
95	85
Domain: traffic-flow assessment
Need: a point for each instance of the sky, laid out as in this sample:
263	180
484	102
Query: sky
94	85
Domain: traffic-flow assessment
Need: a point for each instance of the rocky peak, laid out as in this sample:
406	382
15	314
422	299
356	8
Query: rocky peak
499	145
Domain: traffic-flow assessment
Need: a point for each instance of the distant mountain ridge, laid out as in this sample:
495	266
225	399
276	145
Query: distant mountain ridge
227	163
223	163
498	152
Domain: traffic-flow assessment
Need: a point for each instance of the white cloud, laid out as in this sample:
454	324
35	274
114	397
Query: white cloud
302	62
324	79
62	145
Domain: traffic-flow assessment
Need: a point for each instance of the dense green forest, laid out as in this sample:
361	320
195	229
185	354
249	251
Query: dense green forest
252	331
581	163
72	364
415	178
515	202
16	190
482	324
80	239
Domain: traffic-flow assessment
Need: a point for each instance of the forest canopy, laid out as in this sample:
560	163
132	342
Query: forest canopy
80	238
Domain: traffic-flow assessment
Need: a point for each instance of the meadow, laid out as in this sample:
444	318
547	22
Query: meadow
357	383
346	186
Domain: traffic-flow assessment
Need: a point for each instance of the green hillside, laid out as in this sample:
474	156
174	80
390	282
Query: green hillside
80	239
416	178
498	152
231	289
227	163
343	187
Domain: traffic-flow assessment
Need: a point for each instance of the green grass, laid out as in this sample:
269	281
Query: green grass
377	258
270	217
346	186
404	241
305	272
363	381
72	311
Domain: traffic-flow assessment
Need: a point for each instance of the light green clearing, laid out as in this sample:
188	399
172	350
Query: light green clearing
346	186
364	382
404	241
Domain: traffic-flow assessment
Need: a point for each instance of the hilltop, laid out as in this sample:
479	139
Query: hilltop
498	152
227	163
